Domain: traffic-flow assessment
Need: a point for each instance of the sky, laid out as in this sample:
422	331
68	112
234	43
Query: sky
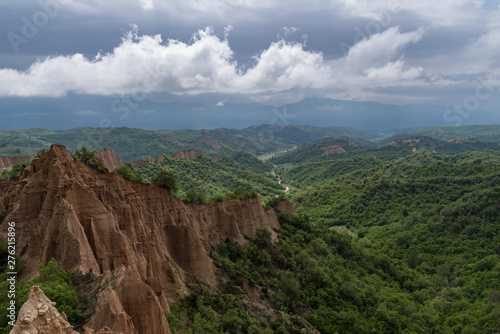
266	51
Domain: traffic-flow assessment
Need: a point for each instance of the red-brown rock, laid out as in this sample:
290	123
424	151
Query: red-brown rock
333	149
210	142
39	315
111	160
100	221
6	163
188	154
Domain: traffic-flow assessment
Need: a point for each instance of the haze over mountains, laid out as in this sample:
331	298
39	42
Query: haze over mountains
141	112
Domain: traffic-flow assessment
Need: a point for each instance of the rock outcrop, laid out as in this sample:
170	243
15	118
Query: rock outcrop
141	162
333	149
89	220
110	315
188	154
111	160
413	141
286	206
455	140
210	142
39	315
6	163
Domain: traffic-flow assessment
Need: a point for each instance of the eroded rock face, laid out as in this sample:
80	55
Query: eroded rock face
110	315
6	163
188	154
91	220
286	206
111	160
39	316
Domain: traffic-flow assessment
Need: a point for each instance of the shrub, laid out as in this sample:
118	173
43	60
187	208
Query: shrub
127	173
273	202
165	179
90	159
195	196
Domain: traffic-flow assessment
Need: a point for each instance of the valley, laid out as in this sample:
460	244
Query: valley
327	234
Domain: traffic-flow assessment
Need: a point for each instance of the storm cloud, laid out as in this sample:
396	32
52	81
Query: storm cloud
265	50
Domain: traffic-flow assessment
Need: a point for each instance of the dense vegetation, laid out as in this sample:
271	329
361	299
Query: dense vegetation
214	179
90	159
483	133
433	215
404	243
74	294
312	173
16	171
339	285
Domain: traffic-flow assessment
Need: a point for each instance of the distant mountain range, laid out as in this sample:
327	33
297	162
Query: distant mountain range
132	143
140	112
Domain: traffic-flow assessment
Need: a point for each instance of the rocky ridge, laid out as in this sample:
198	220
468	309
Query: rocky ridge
88	220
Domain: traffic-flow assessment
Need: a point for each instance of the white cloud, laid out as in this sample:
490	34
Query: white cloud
206	65
483	54
374	57
221	103
460	44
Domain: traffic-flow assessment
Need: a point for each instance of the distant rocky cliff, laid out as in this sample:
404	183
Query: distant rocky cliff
6	163
111	160
188	154
89	220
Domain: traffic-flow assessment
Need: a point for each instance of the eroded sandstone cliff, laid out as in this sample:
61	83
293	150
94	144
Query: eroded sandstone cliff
188	154
6	163
111	160
150	239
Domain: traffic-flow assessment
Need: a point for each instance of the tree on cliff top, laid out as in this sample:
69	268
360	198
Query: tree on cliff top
125	172
165	179
90	159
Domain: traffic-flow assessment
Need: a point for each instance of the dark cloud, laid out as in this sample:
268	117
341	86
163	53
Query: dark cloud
456	43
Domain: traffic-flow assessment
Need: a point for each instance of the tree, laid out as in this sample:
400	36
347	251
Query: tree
90	159
262	238
127	173
165	179
195	196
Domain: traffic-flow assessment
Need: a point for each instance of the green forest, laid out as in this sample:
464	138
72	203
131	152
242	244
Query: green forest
214	179
395	239
394	236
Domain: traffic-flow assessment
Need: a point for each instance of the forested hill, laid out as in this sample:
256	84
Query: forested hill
483	133
211	180
430	205
131	144
387	149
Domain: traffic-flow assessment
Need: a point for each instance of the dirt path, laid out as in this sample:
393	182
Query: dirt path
279	178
